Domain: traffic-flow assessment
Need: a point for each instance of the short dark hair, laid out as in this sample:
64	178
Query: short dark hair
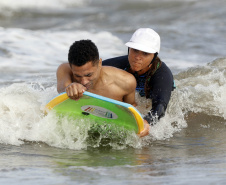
83	51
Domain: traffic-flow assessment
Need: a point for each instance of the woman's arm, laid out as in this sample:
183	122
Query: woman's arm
161	88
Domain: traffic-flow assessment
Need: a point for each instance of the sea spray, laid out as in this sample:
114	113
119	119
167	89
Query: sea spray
23	118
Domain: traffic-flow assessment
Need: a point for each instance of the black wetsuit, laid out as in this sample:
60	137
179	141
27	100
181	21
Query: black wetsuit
161	84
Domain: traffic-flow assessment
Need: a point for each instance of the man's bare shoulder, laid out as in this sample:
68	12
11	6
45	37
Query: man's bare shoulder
63	70
113	71
64	66
120	77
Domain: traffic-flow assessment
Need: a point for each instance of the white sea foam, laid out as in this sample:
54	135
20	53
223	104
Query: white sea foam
10	4
37	51
202	88
23	119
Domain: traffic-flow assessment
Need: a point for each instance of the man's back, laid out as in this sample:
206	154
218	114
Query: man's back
116	84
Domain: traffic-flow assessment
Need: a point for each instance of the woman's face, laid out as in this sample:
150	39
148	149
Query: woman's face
139	60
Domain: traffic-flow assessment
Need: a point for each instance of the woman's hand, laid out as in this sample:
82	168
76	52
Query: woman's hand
145	132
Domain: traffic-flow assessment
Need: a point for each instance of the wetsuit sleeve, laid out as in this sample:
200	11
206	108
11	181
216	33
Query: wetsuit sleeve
119	62
161	87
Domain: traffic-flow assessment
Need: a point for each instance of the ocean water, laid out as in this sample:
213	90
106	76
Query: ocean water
187	146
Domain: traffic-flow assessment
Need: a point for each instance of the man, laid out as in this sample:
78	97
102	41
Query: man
84	72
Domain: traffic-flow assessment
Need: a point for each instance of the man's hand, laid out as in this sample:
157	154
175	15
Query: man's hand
145	132
75	90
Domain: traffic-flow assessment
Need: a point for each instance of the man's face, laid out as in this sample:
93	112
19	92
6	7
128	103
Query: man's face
87	75
139	60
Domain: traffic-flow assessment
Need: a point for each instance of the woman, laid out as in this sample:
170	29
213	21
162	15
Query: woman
154	78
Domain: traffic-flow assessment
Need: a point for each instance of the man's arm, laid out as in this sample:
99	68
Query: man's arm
65	83
64	77
128	83
130	98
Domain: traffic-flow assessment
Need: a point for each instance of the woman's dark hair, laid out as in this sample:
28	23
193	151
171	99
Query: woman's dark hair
156	63
83	51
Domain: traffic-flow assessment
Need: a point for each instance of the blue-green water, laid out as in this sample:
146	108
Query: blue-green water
195	155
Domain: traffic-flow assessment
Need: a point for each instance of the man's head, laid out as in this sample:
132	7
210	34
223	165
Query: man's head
83	51
85	64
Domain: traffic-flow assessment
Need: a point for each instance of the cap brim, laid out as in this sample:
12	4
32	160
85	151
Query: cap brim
140	47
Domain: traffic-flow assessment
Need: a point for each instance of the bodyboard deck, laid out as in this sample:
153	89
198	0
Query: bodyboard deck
98	108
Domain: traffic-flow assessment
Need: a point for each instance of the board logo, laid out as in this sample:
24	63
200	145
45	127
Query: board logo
99	111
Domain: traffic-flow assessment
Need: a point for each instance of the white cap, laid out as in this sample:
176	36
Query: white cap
145	39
